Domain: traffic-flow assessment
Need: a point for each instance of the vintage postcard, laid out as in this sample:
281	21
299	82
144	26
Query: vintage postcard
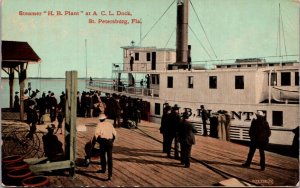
160	93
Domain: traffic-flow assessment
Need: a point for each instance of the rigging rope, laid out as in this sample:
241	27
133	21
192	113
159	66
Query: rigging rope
203	30
157	20
170	37
280	28
200	42
282	31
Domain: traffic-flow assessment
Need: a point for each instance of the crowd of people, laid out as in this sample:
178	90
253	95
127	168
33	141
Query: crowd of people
36	108
89	104
177	128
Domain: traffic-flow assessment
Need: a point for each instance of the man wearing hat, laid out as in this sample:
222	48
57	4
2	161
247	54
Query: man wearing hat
204	116
186	139
105	134
17	102
172	129
164	123
53	106
52	146
259	133
32	118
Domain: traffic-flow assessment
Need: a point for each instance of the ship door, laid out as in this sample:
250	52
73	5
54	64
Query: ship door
153	61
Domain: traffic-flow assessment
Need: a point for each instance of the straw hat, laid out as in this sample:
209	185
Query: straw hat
51	127
102	117
260	113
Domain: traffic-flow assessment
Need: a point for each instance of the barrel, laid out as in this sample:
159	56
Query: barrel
36	181
15	177
11	159
15	166
13	162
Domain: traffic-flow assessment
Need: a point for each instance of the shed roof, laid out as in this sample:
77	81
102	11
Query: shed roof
14	52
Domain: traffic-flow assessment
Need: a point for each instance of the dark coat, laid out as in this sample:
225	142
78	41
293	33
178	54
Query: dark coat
204	115
186	133
259	131
173	123
52	146
163	126
32	116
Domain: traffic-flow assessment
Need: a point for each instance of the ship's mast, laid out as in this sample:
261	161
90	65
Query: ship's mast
181	35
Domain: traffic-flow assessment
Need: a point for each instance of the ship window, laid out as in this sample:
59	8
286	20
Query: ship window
155	79
277	118
296	78
157	109
239	82
285	78
190	82
273	79
136	56
148	56
212	82
170	82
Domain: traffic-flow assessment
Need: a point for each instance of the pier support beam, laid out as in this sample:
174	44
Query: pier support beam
71	114
11	87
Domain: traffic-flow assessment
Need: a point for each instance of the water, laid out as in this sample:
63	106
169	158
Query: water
42	84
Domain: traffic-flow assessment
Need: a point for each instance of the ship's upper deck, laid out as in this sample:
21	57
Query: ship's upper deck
156	60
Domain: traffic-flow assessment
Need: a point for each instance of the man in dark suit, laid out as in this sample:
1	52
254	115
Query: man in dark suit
163	128
204	116
186	139
173	121
32	119
259	133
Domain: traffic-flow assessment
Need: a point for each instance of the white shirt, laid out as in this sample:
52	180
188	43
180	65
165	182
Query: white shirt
105	130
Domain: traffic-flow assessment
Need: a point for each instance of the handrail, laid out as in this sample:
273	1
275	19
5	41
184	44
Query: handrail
132	90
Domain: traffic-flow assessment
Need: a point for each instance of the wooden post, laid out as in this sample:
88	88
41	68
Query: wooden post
70	131
11	87
71	114
22	77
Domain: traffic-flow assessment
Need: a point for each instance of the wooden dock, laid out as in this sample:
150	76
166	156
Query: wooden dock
138	161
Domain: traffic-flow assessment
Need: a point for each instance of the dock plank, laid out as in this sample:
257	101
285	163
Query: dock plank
138	161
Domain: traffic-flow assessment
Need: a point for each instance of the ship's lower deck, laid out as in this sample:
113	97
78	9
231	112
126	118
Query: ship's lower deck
241	114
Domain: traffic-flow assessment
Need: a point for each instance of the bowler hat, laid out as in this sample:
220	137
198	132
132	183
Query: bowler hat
175	107
185	115
167	108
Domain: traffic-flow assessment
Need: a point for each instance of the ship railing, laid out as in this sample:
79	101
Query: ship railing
132	90
236	132
140	67
148	66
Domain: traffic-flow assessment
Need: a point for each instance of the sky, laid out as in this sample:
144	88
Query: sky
234	29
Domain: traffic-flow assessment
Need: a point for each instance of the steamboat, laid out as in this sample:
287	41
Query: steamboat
241	87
